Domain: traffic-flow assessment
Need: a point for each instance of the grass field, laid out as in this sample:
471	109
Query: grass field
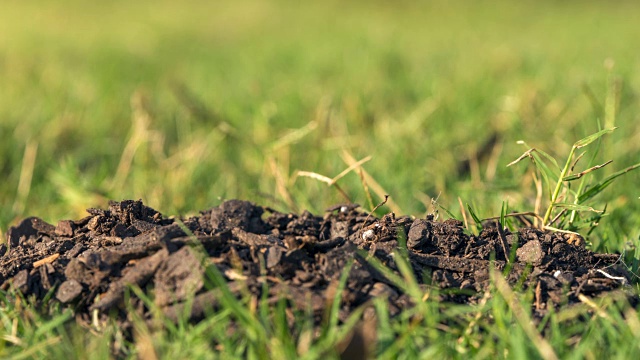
183	104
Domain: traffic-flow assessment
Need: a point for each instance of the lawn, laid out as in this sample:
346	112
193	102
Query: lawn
184	104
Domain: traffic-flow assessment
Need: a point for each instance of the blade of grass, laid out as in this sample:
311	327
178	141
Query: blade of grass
576	207
583	173
475	217
449	213
597	188
591	138
536	156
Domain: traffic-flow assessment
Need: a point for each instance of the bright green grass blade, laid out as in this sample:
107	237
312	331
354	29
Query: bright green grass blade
597	188
549	175
591	138
475	217
556	167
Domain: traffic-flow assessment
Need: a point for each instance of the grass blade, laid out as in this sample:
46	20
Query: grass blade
583	173
538	158
475	217
548	158
597	188
576	207
591	138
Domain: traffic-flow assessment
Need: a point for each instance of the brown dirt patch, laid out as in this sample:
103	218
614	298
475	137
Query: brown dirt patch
89	263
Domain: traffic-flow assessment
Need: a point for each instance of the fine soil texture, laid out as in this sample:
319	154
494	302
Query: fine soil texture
90	264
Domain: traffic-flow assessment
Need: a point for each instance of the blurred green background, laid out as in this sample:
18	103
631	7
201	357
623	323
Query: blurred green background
183	104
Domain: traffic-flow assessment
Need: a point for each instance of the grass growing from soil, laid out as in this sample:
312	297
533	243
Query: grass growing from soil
184	104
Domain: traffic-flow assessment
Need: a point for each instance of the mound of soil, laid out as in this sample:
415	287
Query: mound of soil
87	264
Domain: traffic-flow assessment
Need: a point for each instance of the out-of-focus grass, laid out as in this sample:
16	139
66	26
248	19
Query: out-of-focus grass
186	103
215	87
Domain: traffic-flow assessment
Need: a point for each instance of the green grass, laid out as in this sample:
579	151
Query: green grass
184	104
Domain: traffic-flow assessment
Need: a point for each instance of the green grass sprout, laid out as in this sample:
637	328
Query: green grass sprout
548	168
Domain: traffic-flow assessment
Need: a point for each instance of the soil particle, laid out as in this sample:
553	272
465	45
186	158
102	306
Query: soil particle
300	258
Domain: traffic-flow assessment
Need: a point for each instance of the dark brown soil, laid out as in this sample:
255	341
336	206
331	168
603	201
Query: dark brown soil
88	264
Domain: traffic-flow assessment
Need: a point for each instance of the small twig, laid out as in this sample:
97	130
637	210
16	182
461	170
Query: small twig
386	197
525	155
538	294
47	260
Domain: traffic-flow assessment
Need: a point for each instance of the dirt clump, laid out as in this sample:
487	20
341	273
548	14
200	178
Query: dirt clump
88	264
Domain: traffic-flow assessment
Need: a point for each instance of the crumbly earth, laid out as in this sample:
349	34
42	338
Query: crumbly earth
88	264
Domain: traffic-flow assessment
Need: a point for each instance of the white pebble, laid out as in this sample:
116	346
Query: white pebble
368	235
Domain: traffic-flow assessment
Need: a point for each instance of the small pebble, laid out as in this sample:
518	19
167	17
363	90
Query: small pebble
368	235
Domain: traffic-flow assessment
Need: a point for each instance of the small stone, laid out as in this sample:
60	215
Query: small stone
68	291
274	256
21	281
531	253
368	235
